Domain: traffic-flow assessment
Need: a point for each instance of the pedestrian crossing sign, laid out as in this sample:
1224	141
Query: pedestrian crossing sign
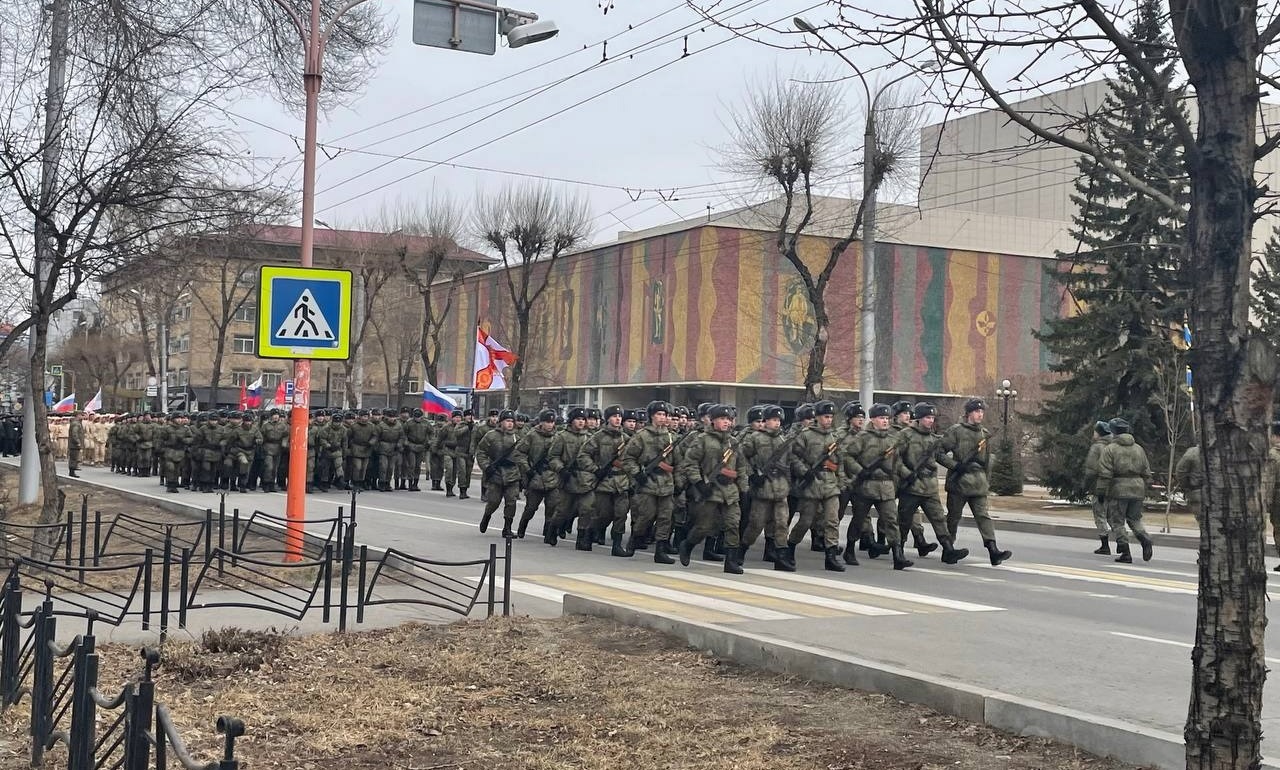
303	312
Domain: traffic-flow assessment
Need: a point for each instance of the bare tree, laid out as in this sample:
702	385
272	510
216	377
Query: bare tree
531	227
787	135
1227	50
431	231
101	354
399	344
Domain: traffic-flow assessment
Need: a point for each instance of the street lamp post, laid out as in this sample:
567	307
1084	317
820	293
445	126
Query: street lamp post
1005	392
870	188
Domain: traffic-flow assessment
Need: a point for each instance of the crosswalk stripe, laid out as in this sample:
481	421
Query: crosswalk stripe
957	573
1095	576
537	591
742	586
887	593
706	602
632	597
732	592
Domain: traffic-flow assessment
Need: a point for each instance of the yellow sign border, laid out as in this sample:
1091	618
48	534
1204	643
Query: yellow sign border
261	341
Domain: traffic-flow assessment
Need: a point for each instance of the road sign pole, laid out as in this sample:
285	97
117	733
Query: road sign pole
295	501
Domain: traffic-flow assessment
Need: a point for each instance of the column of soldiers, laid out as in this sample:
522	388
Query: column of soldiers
689	480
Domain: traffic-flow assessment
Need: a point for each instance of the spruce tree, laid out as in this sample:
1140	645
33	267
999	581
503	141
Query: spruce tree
1266	292
1123	279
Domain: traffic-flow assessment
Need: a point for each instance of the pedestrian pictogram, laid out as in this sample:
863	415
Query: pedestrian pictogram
303	313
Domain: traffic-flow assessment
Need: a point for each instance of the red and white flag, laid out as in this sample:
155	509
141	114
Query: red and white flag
492	359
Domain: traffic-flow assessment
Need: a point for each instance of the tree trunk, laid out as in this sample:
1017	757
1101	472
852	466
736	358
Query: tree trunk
816	367
515	372
49	513
1233	390
429	344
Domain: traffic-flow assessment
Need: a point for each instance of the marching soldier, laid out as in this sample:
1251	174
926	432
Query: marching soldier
361	440
873	468
499	473
175	443
243	443
575	498
901	421
75	442
533	455
816	485
649	460
601	457
390	441
1125	472
766	450
965	452
917	450
275	439
317	445
339	443
417	437
1190	475
715	474
1101	437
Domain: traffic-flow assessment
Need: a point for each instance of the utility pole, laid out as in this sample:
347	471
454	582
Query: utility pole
867	379
51	152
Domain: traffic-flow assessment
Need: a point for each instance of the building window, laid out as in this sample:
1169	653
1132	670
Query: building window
177	378
241	377
247	276
242	343
182	312
247	312
180	344
338	384
412	385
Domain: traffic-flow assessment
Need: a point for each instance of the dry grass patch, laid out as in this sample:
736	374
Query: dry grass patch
539	694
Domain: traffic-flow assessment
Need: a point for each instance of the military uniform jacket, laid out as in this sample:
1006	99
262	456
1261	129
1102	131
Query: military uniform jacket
968	444
1123	469
499	446
642	451
564	462
275	436
1091	463
417	435
810	449
703	462
245	438
601	456
145	434
338	438
533	458
918	453
75	435
457	442
477	435
390	437
213	441
873	455
1190	473
317	439
176	440
360	439
767	480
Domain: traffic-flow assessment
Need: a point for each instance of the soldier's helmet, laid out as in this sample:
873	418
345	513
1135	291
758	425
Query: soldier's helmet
973	405
716	411
1119	425
755	413
804	412
613	409
653	407
1102	428
547	415
853	409
704	408
923	409
577	413
772	412
506	414
418	413
824	407
880	410
901	406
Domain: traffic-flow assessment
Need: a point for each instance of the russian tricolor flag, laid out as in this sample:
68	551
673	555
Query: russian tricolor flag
435	402
67	404
253	396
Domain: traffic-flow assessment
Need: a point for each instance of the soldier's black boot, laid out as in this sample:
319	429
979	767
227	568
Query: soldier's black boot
923	546
717	545
436	487
864	542
584	539
662	554
597	535
851	555
833	560
1147	549
769	549
448	492
784	558
244	483
881	542
1105	548
618	549
488	514
899	558
524	524
462	494
709	551
686	551
951	554
550	533
506	527
1123	550
998	556
877	549
817	542
733	561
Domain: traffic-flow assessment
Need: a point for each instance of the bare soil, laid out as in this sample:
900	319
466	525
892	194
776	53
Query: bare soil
532	694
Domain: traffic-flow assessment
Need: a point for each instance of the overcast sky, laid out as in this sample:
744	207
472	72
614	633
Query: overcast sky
652	122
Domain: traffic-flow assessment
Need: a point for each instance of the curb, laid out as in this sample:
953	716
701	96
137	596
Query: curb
1098	735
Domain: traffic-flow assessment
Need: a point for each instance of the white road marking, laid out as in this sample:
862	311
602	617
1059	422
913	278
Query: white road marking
1142	569
538	592
1170	642
1081	574
887	593
777	593
957	573
473	524
719	605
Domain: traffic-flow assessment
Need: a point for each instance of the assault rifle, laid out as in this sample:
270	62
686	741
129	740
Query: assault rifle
651	467
817	467
498	462
866	472
537	467
702	489
757	479
607	469
953	475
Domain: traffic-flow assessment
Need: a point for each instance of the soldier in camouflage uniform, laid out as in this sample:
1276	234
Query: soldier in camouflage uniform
649	461
816	483
75	442
457	446
212	442
175	442
716	474
360	441
243	441
417	437
532	456
872	470
390	440
918	448
576	493
601	456
965	452
435	449
1101	437
335	471
902	421
767	451
1125	473
275	439
500	473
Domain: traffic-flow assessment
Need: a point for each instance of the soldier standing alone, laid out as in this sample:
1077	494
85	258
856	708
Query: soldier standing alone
1124	472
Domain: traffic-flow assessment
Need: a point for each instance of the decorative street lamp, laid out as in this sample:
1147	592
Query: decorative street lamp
1005	392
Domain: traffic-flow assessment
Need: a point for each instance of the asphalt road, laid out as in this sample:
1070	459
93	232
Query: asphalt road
1055	624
